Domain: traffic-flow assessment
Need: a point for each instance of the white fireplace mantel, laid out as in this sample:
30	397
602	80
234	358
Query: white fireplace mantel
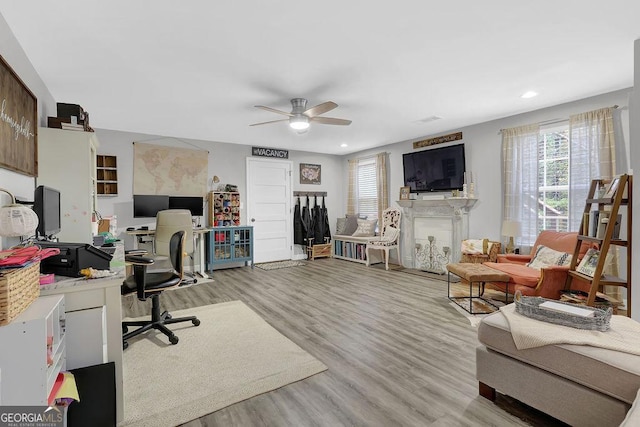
456	209
452	202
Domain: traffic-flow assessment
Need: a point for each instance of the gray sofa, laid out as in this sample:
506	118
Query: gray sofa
579	385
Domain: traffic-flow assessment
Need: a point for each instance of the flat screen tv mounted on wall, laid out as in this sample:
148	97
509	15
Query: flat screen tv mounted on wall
436	169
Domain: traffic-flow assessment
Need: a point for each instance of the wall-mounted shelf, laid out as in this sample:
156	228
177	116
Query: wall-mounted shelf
107	174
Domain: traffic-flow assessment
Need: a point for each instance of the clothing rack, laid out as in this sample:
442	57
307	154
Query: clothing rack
310	193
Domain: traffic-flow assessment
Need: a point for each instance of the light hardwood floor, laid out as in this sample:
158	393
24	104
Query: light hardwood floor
397	352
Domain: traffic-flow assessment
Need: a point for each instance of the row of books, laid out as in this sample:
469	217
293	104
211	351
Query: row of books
350	250
594	224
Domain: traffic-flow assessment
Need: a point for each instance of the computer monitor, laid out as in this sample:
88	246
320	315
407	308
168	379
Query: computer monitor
147	206
194	204
46	205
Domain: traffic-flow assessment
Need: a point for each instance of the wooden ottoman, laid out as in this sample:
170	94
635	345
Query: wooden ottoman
475	273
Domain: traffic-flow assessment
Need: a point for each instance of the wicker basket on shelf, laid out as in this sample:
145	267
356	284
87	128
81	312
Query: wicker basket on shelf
530	307
19	287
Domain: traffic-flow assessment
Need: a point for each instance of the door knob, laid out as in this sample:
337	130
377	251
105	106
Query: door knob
253	220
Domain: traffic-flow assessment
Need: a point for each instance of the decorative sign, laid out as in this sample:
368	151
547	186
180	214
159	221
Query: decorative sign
309	174
270	152
438	140
18	123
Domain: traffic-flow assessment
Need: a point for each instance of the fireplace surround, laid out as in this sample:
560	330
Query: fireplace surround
440	223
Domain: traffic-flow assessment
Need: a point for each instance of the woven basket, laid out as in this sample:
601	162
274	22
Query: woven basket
528	306
19	287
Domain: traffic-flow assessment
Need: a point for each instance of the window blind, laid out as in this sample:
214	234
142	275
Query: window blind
367	192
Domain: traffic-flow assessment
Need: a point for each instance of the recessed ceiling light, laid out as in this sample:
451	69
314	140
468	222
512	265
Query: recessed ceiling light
343	145
529	94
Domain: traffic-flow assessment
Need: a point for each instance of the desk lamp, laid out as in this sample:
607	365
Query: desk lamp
17	220
510	229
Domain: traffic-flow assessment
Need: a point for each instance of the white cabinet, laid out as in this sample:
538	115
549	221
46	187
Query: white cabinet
86	337
67	162
33	352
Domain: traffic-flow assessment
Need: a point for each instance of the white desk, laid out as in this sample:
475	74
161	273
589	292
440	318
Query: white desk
200	232
81	294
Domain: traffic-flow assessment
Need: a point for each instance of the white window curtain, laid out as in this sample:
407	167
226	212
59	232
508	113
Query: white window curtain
591	155
520	180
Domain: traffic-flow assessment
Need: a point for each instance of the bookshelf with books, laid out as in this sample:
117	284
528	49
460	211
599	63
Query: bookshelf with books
606	199
353	249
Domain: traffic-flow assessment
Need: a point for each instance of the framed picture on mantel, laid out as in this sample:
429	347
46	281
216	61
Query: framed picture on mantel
405	193
18	123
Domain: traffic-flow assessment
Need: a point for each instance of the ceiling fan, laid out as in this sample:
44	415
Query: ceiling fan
300	116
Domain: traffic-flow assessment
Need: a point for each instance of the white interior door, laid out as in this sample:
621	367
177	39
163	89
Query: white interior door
269	208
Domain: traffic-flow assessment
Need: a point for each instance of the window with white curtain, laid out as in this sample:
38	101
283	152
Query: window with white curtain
367	193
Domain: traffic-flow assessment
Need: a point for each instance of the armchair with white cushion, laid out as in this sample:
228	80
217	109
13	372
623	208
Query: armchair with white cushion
389	235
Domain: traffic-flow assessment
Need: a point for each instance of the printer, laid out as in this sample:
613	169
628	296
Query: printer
72	258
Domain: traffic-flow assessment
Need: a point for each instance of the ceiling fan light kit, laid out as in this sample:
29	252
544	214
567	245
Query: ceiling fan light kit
301	116
299	122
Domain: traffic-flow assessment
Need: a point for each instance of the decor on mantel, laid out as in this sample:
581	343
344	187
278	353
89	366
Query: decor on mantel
468	187
430	259
405	193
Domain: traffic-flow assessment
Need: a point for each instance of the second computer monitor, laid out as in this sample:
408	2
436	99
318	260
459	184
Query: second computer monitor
147	206
194	204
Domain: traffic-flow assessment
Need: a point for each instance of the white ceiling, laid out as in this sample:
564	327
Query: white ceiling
195	69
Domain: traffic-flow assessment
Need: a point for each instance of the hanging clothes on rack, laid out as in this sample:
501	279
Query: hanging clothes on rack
307	222
320	223
315	214
299	229
325	221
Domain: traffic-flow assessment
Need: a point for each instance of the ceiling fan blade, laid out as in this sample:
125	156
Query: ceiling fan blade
272	121
330	121
273	110
320	109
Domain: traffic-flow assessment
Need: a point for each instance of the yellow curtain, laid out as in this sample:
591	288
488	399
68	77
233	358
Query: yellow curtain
352	187
382	183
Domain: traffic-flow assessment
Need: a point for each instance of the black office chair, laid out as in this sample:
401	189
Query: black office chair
152	284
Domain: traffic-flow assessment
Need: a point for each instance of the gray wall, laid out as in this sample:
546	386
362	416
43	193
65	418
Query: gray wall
635	165
22	186
227	161
483	156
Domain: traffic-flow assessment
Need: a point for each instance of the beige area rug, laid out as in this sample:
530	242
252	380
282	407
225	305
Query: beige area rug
233	355
494	300
279	264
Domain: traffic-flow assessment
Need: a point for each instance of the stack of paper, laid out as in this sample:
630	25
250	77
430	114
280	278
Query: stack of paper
569	309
